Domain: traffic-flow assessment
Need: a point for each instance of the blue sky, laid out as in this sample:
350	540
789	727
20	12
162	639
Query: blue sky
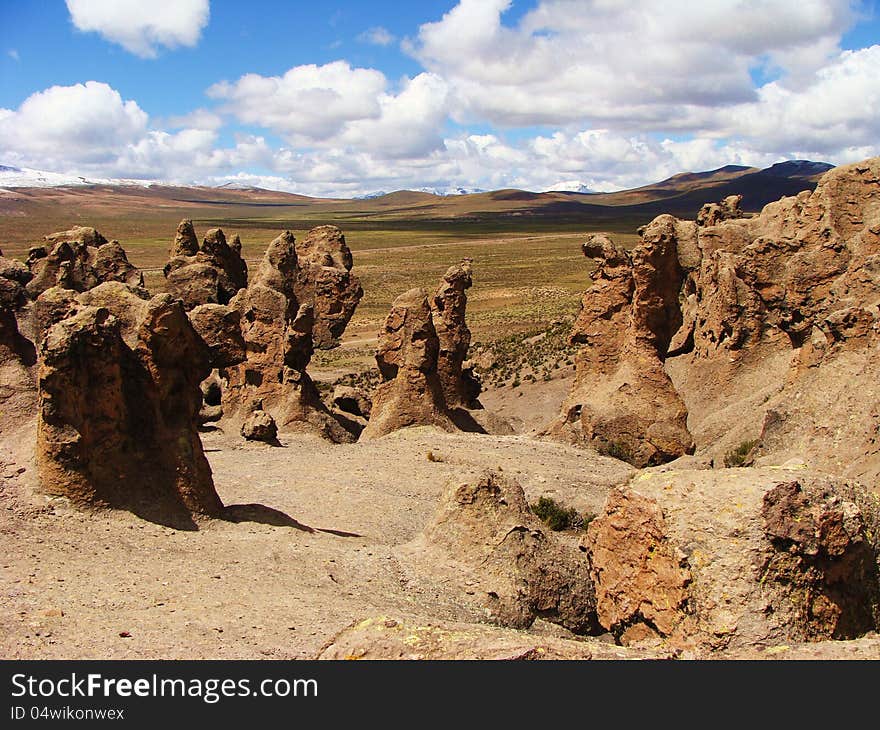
351	97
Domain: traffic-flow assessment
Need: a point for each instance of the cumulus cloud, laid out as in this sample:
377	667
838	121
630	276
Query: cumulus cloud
377	36
631	64
620	95
335	106
90	129
142	27
85	123
308	102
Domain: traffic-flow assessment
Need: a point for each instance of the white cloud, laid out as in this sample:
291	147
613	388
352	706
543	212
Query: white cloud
13	54
142	27
631	64
197	119
833	110
377	36
307	103
337	106
85	123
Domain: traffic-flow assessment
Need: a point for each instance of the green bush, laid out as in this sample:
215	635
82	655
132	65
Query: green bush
616	450
739	455
559	517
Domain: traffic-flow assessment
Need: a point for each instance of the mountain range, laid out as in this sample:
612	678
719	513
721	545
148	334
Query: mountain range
681	195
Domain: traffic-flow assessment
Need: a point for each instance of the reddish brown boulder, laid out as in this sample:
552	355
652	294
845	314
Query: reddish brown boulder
460	387
736	558
118	413
411	393
713	213
622	402
208	274
485	540
324	281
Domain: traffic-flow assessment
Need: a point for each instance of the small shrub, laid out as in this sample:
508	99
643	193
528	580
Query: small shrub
739	455
559	517
616	450
432	457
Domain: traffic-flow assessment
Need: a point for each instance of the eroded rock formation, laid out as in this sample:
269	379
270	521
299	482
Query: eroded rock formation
781	324
119	400
78	259
277	331
448	306
737	558
324	280
491	544
208	274
622	402
411	393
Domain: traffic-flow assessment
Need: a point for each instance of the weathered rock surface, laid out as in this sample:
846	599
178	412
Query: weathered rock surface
460	386
17	352
260	426
725	560
487	538
384	637
277	331
208	274
324	281
411	393
781	325
79	259
622	402
220	327
118	410
354	401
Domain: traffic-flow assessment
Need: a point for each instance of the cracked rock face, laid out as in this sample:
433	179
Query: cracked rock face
277	330
485	535
79	259
736	558
448	307
324	281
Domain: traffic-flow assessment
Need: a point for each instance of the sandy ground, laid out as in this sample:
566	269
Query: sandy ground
311	545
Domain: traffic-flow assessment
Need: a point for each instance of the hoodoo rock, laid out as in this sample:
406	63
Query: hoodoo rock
79	259
324	281
494	548
448	305
622	401
208	274
277	331
724	560
118	409
411	393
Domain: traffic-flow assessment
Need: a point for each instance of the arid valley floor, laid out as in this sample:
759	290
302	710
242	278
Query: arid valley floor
698	399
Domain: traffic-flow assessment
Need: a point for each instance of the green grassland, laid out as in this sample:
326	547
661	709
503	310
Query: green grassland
528	272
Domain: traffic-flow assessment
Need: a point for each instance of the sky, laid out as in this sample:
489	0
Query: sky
349	98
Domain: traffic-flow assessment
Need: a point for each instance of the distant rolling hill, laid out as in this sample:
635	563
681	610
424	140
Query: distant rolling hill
681	195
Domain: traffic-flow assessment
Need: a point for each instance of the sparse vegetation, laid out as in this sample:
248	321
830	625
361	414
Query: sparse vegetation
616	450
558	517
740	455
